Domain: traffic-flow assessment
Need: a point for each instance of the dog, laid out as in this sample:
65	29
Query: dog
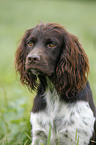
51	61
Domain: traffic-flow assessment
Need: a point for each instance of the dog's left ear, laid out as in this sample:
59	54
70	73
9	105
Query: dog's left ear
73	66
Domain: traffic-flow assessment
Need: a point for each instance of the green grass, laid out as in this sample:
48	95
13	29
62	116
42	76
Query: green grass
49	136
16	16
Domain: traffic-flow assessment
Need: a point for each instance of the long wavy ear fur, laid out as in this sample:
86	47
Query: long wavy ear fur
73	66
26	77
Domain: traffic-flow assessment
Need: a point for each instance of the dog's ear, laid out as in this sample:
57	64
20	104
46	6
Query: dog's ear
26	77
73	66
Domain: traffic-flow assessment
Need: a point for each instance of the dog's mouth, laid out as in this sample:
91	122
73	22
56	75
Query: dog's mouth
38	70
35	71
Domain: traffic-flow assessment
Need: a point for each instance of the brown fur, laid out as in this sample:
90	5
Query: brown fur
72	67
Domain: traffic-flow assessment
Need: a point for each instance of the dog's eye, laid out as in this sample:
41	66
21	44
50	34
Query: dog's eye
30	43
51	45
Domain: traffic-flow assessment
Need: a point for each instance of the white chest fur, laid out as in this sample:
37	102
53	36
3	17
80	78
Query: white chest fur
67	121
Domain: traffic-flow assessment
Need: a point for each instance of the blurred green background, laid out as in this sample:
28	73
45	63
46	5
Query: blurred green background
78	17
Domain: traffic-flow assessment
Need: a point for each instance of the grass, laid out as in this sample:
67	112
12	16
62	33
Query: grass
78	17
49	136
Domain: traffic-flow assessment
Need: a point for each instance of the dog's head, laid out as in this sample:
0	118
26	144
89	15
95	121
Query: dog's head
48	49
43	49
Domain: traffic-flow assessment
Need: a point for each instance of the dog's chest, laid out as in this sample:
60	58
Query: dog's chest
69	122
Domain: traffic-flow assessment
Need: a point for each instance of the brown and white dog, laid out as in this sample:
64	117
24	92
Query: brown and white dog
51	60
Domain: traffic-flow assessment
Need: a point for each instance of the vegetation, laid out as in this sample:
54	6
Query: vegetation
78	17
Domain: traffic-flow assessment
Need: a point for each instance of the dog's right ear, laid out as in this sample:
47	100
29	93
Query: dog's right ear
20	58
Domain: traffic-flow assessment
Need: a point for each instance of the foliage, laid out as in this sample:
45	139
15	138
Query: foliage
15	17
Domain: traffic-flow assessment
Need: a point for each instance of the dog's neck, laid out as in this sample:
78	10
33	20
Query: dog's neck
51	83
46	83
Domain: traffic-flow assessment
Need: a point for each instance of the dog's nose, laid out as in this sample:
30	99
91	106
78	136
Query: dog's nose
33	58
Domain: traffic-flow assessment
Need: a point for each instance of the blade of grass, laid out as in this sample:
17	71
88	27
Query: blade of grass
76	139
49	136
28	136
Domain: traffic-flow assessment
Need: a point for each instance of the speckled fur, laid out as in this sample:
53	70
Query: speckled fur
66	120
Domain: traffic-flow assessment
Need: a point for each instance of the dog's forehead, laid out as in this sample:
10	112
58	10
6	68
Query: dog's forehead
43	31
37	32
